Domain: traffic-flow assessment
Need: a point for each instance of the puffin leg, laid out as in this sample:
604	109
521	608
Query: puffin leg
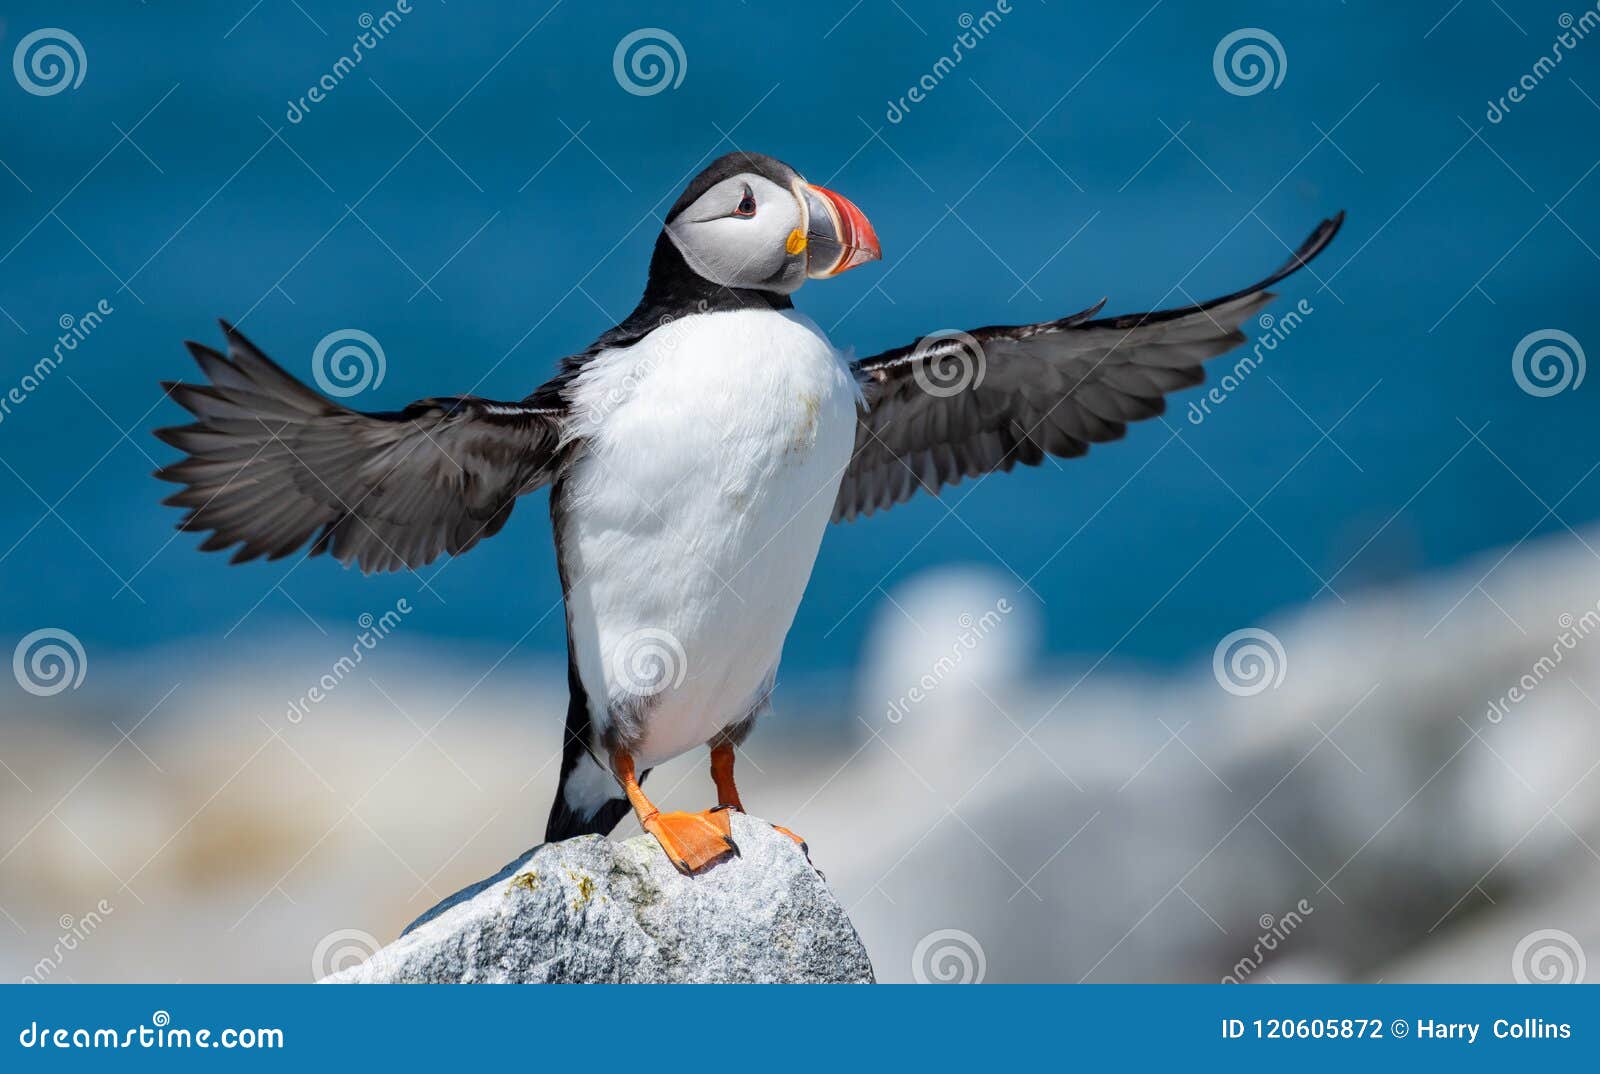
727	793
722	776
691	841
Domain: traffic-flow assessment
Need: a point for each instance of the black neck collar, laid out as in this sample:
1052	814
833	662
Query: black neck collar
675	290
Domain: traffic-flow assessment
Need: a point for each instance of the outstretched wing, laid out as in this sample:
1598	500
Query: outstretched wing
272	465
962	404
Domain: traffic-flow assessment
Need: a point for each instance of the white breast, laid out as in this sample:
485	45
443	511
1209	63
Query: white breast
713	454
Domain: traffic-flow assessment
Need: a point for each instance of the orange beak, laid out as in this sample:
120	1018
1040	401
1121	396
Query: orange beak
838	234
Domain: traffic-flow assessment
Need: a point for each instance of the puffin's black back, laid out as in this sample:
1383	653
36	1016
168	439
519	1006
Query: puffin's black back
563	822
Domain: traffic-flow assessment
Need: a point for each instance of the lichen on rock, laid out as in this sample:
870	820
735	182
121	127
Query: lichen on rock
590	910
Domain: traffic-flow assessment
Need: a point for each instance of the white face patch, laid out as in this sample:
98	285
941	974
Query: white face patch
737	234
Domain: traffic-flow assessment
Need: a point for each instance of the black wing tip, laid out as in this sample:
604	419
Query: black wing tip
203	353
185	395
1321	236
239	547
1319	239
238	344
172	435
1088	314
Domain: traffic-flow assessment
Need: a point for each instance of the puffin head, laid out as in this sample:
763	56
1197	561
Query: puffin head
751	222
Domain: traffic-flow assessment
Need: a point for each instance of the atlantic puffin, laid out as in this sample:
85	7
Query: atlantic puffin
695	453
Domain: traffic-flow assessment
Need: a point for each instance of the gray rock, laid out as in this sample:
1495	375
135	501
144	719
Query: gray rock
590	910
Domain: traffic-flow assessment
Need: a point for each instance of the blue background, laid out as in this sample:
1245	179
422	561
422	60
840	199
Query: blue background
535	241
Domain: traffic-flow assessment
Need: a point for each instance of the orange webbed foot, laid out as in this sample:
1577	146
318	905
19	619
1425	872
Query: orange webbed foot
693	841
721	818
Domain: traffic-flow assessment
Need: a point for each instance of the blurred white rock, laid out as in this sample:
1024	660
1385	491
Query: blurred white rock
1113	825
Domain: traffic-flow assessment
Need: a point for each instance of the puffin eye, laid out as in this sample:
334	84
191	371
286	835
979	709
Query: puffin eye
747	204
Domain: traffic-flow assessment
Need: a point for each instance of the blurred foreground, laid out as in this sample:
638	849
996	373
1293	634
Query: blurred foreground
1416	800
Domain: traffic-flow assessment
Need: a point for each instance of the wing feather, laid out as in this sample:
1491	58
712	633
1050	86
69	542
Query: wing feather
1027	391
270	466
